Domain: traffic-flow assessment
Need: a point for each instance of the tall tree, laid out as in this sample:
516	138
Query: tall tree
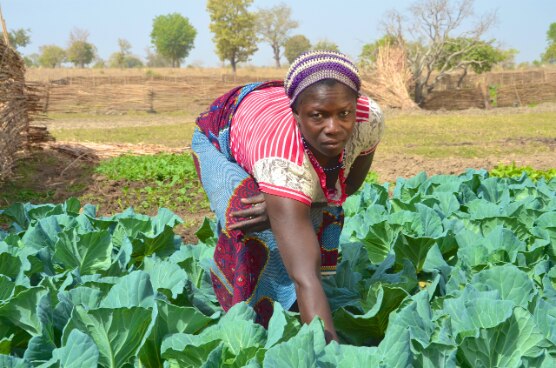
549	56
51	56
273	26
234	29
295	46
173	37
426	32
80	51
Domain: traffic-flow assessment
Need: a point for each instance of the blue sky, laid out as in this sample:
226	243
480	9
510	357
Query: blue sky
348	23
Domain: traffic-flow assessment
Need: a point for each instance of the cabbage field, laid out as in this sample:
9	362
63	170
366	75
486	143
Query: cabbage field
443	271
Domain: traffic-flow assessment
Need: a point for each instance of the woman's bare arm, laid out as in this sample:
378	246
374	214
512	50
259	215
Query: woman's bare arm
358	172
300	251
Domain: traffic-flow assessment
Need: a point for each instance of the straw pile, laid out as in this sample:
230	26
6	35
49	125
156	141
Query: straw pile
390	79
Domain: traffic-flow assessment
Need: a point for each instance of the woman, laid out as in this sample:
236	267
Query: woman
285	156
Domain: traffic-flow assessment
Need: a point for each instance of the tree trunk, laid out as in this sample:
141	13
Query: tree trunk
233	64
462	77
419	93
276	55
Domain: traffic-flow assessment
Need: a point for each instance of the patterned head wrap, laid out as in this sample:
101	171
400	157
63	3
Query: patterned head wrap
313	66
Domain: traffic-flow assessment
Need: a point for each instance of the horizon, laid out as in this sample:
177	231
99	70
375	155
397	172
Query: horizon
517	29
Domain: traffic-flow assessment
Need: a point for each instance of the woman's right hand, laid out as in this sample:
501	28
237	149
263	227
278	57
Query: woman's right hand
256	217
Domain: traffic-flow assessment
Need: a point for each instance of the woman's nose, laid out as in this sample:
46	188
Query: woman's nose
332	125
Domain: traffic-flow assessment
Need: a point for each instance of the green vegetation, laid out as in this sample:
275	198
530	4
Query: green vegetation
152	181
453	271
234	29
513	171
173	37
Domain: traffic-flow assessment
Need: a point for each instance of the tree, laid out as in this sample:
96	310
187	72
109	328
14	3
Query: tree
326	45
32	60
295	46
426	33
549	56
273	26
551	33
117	59
480	58
19	37
234	29
80	52
51	56
123	58
173	37
369	51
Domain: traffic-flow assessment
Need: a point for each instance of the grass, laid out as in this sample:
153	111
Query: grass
176	135
453	135
432	136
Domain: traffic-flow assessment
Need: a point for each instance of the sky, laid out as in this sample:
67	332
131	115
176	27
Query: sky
348	23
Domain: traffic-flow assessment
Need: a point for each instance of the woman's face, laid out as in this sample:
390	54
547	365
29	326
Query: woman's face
326	116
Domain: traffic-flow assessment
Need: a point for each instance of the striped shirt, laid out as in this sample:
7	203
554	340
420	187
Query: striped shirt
266	142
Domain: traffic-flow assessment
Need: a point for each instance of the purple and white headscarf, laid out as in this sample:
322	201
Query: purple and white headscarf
313	66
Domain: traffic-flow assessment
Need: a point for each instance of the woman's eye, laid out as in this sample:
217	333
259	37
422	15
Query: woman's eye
345	114
316	116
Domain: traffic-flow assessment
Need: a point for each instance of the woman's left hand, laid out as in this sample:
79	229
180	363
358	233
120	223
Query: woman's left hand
256	218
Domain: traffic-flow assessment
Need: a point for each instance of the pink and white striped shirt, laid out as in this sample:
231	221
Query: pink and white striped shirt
266	142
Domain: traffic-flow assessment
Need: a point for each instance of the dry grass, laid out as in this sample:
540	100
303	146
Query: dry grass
47	74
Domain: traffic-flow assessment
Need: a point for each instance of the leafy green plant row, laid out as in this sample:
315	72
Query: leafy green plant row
514	171
159	167
449	271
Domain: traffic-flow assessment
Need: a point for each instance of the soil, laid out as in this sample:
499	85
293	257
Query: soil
53	175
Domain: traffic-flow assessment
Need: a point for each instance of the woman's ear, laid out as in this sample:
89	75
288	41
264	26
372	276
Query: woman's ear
297	118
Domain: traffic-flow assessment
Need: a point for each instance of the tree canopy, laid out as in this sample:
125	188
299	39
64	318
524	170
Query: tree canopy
369	51
234	29
273	26
173	37
295	46
80	52
51	56
549	55
19	37
482	57
326	45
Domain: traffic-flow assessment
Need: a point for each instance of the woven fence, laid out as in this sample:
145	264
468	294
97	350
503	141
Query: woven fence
13	107
193	93
507	89
20	103
135	93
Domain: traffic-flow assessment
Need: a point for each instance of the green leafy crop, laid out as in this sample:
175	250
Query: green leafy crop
447	271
